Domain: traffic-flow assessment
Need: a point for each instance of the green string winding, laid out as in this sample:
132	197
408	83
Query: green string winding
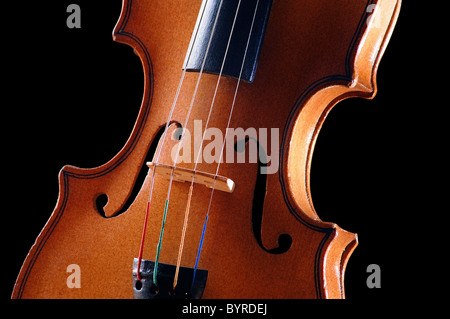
155	270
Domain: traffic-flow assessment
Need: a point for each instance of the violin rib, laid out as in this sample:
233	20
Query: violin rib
315	53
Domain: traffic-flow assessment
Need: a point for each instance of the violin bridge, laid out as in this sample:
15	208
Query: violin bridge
180	174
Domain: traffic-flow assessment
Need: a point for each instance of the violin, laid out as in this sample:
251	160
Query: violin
235	95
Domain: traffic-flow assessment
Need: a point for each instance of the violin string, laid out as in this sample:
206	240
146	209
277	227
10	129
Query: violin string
159	246
221	153
187	210
157	155
158	152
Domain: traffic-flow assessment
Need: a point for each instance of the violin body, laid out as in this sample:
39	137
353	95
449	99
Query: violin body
263	240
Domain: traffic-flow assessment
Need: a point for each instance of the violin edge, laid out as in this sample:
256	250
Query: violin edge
326	94
339	243
380	29
42	237
364	85
340	248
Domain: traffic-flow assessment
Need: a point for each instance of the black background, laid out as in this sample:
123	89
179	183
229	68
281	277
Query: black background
71	96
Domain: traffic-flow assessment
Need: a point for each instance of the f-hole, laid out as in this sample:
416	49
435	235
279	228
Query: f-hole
102	199
284	240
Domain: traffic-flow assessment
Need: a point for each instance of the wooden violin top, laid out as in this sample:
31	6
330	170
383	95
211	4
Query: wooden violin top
258	235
